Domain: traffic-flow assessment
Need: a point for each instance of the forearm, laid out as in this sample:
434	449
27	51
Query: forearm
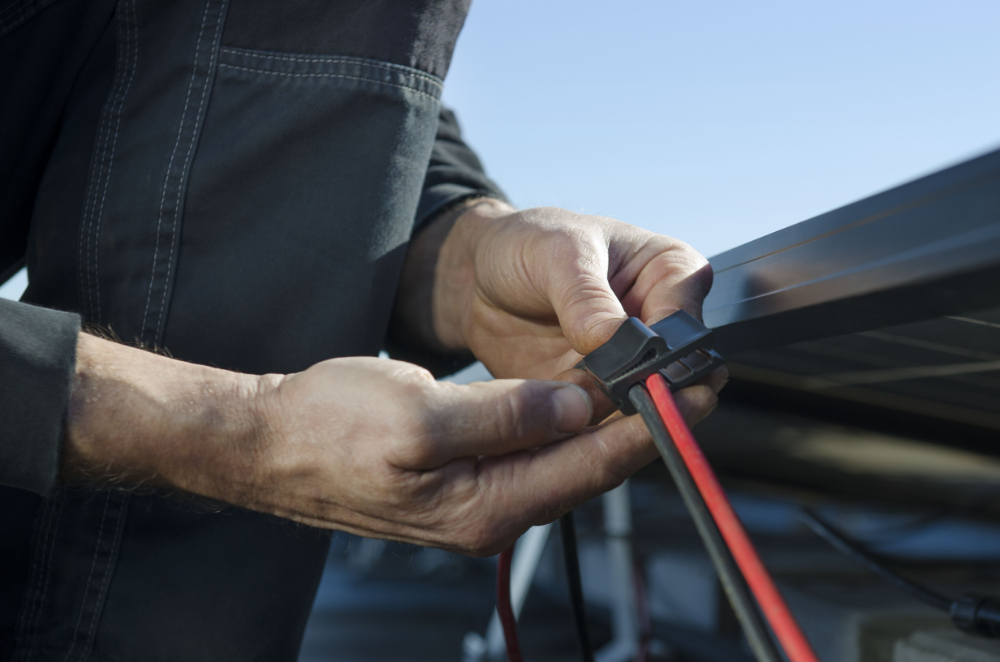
136	417
438	275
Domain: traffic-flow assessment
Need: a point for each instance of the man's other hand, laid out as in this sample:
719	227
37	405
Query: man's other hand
371	446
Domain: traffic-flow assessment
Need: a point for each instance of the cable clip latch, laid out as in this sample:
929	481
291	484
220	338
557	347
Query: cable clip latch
679	346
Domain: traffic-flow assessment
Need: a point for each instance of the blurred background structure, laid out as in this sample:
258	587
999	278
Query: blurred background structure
718	123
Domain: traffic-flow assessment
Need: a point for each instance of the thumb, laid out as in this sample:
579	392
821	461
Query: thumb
504	415
589	312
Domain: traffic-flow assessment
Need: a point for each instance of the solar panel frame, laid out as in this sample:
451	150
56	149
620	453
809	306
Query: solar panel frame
925	249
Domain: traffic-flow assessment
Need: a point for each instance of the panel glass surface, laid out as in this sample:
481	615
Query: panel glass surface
946	367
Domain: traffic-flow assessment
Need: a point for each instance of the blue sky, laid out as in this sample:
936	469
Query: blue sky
721	121
718	122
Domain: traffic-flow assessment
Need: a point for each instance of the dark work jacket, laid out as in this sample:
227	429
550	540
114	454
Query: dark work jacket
235	181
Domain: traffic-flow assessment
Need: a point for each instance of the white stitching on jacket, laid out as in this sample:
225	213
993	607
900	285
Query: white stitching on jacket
100	176
294	75
187	161
170	164
16	14
409	71
46	544
109	570
90	577
134	56
96	175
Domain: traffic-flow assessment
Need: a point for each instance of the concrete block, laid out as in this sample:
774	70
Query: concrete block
856	619
946	645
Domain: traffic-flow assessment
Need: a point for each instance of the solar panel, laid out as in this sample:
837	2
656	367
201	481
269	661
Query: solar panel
892	301
947	367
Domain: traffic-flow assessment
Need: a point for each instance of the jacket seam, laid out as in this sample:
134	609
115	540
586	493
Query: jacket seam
16	15
109	566
42	571
333	59
132	66
189	122
325	75
90	578
199	120
128	58
170	166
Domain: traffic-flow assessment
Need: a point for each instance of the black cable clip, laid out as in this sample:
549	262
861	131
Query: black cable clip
679	346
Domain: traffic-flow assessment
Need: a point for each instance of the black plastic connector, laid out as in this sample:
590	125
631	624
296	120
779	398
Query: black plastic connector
678	346
978	614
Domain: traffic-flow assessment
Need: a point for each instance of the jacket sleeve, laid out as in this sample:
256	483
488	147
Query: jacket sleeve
37	360
454	174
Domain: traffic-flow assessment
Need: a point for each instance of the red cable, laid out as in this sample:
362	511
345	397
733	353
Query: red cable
778	616
642	612
504	609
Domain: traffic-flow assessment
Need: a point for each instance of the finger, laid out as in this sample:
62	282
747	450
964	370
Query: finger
717	379
541	485
501	416
675	277
576	284
603	406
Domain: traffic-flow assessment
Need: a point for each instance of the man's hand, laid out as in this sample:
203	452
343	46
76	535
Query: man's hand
371	446
379	448
530	292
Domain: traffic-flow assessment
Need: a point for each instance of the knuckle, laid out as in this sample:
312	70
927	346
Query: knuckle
510	422
521	412
685	249
415	381
571	241
501	416
670	263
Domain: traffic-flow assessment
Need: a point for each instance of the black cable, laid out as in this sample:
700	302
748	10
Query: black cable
729	575
567	528
855	551
970	612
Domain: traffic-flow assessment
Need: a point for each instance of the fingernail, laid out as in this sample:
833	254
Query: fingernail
573	408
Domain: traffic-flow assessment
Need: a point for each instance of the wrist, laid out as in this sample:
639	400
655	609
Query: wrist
437	277
136	417
455	271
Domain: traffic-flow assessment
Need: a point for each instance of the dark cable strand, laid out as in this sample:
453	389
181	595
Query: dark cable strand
729	575
567	528
858	553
